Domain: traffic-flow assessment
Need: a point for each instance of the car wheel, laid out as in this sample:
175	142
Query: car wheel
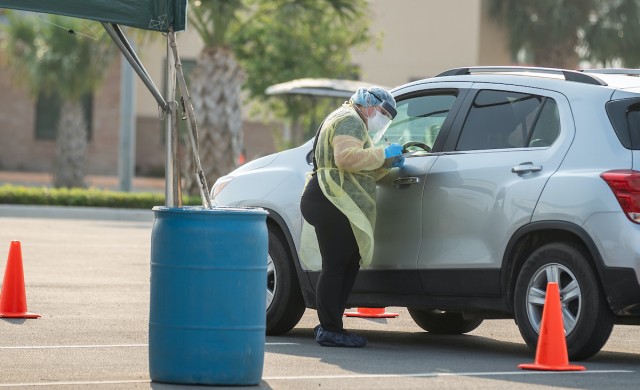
285	305
586	316
442	322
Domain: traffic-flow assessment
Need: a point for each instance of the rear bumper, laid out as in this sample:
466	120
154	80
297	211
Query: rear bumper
622	290
618	243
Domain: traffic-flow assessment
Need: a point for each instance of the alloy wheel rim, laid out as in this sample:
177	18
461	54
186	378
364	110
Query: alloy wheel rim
570	296
272	279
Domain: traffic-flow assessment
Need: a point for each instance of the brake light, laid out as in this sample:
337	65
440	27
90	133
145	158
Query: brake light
625	184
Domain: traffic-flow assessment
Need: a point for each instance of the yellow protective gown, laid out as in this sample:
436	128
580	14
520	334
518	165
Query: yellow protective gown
348	168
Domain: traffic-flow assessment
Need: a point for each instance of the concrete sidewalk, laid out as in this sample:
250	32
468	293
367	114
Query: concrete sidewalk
68	212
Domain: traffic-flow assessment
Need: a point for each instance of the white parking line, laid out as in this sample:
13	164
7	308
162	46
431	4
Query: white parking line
357	376
76	346
71	383
282	343
101	346
440	374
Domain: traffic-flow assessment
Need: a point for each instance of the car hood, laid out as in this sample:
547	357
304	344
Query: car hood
256	164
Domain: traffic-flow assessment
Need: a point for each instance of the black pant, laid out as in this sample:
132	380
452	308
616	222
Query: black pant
340	255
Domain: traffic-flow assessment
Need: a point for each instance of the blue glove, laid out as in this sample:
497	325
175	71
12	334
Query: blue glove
398	162
392	150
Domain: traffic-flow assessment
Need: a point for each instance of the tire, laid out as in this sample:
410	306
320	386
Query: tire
582	300
442	322
285	305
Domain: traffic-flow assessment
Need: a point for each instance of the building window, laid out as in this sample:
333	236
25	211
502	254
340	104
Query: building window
48	115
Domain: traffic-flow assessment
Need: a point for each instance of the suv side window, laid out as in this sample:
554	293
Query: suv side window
625	117
502	120
547	127
420	118
633	117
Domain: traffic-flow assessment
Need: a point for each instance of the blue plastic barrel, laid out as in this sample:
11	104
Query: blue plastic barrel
207	316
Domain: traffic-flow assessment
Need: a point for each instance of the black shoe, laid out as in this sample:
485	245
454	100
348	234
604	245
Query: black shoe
358	339
328	338
316	330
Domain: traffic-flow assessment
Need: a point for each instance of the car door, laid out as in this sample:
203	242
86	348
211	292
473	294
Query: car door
424	116
497	158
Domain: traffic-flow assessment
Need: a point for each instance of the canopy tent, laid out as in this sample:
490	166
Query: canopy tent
166	16
157	15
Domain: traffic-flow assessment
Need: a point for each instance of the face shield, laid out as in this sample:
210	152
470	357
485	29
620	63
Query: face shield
379	123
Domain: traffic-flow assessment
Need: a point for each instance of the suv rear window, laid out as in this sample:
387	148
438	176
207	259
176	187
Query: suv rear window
625	117
502	120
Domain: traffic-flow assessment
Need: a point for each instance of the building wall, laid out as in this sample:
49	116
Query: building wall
20	150
423	38
419	39
150	146
102	151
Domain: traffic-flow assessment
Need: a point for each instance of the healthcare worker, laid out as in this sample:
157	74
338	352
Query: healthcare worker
339	201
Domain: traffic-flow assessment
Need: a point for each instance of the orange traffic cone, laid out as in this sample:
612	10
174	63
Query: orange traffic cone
13	300
551	352
371	312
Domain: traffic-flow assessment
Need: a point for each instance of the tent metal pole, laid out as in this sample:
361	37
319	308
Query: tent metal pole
173	192
121	41
127	131
192	124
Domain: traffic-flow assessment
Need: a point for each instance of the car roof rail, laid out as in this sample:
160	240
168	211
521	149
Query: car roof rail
620	71
569	75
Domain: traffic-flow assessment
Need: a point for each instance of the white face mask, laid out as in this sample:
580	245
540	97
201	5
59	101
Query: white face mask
377	126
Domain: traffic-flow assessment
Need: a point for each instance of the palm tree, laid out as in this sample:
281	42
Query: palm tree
612	36
559	34
547	30
60	57
217	80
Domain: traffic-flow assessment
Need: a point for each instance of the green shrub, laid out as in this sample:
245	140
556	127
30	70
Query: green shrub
91	197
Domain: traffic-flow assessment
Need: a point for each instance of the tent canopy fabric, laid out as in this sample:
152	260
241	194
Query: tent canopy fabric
156	15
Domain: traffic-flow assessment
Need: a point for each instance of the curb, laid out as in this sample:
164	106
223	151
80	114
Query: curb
70	212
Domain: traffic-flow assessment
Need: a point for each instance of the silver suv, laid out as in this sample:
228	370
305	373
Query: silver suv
517	177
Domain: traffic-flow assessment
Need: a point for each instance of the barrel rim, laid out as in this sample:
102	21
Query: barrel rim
214	210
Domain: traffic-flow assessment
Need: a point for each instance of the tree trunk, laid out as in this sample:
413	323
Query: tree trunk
563	56
215	90
71	146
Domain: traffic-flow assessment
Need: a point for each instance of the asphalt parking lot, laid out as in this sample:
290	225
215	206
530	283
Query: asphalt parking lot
87	275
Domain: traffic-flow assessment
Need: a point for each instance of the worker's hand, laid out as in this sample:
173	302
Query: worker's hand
398	162
392	150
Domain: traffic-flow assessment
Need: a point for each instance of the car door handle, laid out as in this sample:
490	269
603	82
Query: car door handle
403	181
526	167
